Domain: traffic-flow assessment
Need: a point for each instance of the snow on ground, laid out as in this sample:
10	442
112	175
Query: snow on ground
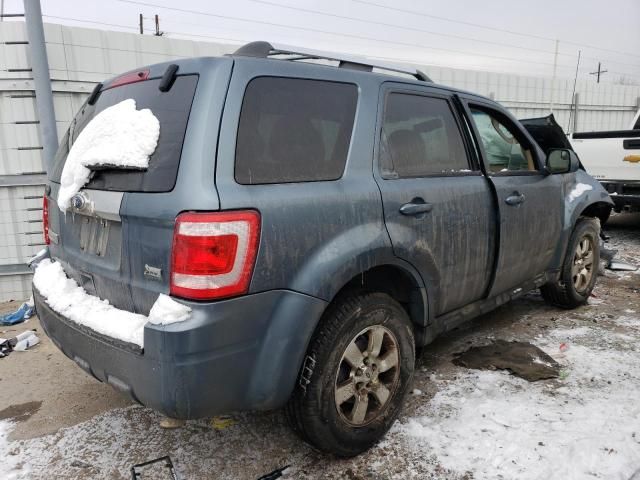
69	299
117	136
495	425
479	424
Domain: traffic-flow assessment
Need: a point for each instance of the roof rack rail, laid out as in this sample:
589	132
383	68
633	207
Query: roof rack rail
263	49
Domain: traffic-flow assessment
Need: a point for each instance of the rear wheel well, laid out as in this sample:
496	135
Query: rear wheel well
599	210
395	282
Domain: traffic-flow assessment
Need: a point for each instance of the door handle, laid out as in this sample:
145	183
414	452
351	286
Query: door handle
415	207
515	199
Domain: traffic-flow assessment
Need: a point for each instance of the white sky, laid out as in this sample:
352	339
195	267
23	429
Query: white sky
401	30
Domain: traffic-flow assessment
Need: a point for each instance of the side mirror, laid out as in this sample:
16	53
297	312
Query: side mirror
562	160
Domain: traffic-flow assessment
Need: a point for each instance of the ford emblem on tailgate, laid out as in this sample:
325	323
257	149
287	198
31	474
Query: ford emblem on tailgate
78	201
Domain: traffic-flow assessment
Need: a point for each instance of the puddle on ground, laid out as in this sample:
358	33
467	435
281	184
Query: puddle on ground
20	412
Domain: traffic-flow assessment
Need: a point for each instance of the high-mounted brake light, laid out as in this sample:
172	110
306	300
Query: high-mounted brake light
45	219
127	78
213	254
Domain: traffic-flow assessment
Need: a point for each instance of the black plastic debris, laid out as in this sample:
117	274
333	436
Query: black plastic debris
152	468
520	358
277	473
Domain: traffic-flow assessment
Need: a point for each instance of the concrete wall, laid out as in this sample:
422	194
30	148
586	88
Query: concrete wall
81	57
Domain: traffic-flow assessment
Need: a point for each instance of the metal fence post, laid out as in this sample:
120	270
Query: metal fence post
42	81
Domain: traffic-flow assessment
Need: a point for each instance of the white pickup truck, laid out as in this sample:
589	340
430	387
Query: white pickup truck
612	157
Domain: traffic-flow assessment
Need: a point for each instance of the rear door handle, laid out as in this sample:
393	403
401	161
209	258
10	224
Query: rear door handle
415	207
515	199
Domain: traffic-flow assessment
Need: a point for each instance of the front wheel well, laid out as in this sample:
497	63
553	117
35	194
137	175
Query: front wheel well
395	282
599	210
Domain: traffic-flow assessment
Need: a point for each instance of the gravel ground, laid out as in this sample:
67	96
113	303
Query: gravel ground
55	421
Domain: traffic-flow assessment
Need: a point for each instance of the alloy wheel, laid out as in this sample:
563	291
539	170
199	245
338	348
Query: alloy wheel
367	375
582	269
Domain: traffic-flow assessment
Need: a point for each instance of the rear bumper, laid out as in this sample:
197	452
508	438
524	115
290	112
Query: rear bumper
237	354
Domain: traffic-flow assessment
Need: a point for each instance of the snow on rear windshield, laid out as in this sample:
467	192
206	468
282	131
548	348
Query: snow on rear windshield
172	110
118	137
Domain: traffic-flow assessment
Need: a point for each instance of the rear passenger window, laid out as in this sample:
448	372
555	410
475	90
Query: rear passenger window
294	130
420	137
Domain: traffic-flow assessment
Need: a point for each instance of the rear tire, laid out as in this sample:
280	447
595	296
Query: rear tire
580	268
358	370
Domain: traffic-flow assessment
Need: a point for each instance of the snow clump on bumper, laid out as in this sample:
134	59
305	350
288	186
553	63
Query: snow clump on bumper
71	301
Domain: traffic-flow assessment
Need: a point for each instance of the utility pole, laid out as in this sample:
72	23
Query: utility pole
141	24
41	81
553	79
598	72
158	32
574	98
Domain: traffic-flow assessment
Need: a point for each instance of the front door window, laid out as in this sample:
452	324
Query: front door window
503	150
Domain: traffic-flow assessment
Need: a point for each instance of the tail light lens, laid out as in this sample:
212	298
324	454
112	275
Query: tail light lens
213	254
45	219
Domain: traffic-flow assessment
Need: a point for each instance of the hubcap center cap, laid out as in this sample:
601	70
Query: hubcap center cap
365	374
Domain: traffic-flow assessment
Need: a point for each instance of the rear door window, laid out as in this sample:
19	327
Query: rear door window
294	130
170	108
420	137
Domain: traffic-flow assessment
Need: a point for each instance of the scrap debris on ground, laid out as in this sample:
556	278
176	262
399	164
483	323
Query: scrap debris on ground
459	423
24	312
520	358
156	469
19	343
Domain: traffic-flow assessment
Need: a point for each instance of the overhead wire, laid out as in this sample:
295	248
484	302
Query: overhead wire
430	32
341	34
267	2
486	27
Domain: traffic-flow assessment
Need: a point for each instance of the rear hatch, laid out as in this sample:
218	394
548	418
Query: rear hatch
114	252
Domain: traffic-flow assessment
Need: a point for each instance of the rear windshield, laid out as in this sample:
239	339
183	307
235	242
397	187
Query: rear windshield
172	111
294	130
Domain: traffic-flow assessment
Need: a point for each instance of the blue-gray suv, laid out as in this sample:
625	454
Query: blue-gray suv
322	217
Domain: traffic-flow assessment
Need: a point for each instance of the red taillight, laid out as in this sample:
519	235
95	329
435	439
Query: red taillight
127	78
213	254
45	219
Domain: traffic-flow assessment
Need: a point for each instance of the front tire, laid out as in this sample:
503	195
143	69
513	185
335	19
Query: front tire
580	268
363	358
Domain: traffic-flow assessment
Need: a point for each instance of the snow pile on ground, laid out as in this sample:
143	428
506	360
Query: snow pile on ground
70	300
119	136
488	423
10	466
498	426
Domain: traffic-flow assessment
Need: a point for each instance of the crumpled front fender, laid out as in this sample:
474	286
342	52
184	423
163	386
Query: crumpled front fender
580	191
